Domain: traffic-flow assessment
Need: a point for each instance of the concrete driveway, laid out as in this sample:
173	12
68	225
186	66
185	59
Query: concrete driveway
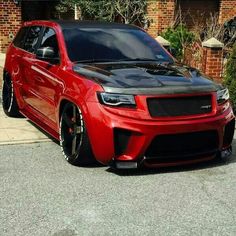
43	195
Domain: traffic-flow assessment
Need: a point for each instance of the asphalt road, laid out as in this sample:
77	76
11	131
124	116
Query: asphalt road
43	195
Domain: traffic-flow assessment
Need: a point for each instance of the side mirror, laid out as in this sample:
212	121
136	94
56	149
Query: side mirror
47	54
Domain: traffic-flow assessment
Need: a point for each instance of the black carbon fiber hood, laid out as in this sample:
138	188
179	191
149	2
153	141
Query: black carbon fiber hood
146	78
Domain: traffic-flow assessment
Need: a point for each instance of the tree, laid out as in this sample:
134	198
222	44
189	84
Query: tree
180	38
125	11
230	76
130	11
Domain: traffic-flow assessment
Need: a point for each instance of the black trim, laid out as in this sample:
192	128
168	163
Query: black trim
163	90
180	106
121	139
24	37
177	146
229	133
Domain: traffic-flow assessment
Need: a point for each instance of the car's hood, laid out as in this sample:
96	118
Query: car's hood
146	78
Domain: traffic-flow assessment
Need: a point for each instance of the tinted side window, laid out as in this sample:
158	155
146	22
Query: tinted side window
20	37
50	40
32	38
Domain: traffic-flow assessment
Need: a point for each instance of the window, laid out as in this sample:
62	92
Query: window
20	37
32	38
50	40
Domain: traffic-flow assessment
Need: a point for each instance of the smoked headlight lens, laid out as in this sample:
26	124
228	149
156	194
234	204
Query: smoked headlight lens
222	96
113	99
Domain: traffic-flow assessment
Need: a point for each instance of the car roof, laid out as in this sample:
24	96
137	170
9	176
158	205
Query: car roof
67	24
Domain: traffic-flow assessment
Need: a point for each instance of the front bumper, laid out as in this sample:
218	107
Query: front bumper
119	139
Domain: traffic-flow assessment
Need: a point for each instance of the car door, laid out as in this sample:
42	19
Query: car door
16	62
44	75
26	59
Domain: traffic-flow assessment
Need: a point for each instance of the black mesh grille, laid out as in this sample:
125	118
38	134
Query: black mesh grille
179	106
229	133
183	145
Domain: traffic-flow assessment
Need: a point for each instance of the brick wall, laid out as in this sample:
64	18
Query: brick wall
10	21
214	63
166	13
161	14
152	17
227	10
197	11
209	60
194	56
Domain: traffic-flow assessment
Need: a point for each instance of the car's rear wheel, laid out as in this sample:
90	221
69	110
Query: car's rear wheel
9	103
74	140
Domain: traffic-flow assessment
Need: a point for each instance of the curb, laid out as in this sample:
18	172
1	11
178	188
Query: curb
15	142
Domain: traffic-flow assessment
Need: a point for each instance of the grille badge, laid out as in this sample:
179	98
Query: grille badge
205	107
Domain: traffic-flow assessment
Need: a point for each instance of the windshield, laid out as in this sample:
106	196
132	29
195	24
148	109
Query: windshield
109	44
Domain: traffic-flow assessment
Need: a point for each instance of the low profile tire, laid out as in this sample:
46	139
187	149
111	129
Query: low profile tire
9	103
74	140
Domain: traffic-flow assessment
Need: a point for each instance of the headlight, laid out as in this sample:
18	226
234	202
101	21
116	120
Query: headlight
113	99
222	96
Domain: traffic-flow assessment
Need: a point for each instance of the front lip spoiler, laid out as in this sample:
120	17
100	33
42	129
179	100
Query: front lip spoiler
178	163
123	165
224	155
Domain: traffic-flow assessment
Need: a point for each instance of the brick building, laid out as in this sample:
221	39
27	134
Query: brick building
10	21
160	13
14	12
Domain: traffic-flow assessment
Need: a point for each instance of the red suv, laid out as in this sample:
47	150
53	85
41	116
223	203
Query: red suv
110	93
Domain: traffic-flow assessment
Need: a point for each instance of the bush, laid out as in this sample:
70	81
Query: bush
179	38
230	76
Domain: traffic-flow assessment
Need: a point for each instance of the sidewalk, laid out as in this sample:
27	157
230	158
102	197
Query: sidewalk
17	130
2	60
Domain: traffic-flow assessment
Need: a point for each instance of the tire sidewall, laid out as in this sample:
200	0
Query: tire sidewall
7	110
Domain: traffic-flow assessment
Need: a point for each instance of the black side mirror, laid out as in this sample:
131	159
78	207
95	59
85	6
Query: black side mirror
47	54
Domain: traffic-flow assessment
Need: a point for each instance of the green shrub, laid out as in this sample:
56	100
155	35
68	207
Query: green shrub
230	76
179	38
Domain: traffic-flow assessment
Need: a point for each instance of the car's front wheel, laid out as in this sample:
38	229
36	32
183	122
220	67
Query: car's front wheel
74	140
9	103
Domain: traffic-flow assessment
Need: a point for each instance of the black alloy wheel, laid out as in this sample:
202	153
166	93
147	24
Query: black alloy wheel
9	103
74	140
